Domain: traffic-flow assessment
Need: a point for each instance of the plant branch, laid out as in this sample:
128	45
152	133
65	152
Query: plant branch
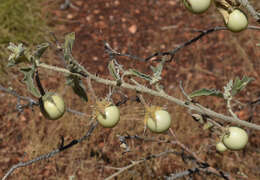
52	153
201	165
171	53
134	163
192	106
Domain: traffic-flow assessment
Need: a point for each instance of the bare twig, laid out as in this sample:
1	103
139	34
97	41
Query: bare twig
184	93
181	174
174	51
52	153
171	53
134	163
201	165
92	92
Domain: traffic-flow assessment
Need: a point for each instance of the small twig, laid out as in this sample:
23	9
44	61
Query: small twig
76	112
134	163
181	174
174	51
52	153
230	109
202	166
141	98
171	53
112	53
19	107
199	161
184	93
91	90
13	93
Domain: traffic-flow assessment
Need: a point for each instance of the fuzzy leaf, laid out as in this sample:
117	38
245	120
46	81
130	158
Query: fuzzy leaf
206	92
28	79
157	71
112	70
77	86
69	41
18	54
40	49
71	64
138	74
239	85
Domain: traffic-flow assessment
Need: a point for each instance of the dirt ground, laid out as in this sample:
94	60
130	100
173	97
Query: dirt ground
140	28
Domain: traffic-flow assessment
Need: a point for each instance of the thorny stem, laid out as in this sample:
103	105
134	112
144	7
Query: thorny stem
192	106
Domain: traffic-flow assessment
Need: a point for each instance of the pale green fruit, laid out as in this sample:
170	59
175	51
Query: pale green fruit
236	139
221	147
237	21
110	118
197	6
52	106
161	121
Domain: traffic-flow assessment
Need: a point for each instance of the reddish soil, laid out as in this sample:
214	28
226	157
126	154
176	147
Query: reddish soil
140	28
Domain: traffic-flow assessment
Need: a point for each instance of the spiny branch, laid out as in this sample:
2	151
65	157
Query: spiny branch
189	105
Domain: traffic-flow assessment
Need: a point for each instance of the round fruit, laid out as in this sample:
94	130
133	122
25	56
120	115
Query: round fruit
221	147
237	21
110	117
52	106
197	6
160	122
235	139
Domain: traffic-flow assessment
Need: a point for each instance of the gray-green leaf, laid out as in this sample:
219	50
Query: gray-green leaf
239	85
206	92
40	49
77	86
18	54
28	79
112	70
138	74
69	41
157	71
